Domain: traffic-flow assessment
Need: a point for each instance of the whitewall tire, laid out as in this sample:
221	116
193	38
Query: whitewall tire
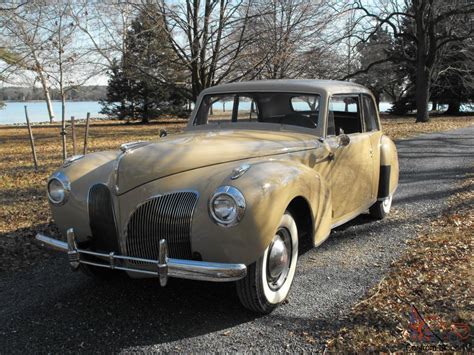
381	208
269	279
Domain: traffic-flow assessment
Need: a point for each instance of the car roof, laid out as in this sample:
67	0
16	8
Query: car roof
290	85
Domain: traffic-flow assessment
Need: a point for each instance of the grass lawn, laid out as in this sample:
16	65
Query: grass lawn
23	202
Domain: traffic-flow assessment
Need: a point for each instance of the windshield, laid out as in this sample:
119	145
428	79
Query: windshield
292	109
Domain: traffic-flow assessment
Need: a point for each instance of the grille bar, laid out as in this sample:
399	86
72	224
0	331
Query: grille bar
167	217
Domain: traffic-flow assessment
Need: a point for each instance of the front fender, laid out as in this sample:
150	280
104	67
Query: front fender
268	188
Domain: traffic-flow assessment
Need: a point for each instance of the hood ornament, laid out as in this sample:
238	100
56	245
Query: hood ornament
131	145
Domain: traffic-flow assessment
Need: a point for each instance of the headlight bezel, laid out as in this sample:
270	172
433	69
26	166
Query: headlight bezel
66	185
239	200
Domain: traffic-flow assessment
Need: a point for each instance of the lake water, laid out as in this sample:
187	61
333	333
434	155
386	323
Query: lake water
14	112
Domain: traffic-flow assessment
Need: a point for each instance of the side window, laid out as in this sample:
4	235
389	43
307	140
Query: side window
345	111
370	114
220	109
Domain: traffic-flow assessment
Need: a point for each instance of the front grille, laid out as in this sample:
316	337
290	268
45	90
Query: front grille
102	219
164	217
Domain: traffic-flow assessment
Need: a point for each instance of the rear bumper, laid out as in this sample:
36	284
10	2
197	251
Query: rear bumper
164	267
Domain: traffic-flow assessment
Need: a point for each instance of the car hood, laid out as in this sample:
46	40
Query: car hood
196	149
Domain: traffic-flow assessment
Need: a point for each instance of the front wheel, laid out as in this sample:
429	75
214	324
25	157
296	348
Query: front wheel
381	208
269	279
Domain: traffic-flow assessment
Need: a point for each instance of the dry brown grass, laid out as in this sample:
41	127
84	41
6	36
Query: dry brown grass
23	203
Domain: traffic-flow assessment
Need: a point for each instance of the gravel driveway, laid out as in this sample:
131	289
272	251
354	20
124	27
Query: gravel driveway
50	309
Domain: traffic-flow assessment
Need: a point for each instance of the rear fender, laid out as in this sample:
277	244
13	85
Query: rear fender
389	169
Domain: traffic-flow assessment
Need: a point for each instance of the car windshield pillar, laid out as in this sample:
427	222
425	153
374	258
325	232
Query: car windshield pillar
235	108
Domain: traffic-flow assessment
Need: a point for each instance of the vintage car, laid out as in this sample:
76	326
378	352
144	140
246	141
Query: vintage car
261	168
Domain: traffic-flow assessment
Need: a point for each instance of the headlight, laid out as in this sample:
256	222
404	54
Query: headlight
227	206
58	189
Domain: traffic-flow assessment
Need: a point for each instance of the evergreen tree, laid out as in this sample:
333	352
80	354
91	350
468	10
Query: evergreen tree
143	85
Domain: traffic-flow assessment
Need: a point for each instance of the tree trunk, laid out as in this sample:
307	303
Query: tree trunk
63	122
44	85
434	105
454	108
47	97
422	94
146	113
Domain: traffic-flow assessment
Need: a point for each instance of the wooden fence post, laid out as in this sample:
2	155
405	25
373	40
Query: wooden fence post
86	132
32	140
73	132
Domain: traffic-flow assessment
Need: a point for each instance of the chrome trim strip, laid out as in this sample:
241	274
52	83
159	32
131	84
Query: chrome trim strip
239	171
165	267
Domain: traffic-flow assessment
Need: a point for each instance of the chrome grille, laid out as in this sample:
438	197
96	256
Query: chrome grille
167	217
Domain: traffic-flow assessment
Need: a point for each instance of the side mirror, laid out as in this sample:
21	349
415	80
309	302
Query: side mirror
163	133
344	140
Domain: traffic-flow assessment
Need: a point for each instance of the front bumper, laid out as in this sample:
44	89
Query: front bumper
165	267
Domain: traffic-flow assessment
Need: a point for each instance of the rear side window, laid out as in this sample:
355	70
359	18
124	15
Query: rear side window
370	114
344	111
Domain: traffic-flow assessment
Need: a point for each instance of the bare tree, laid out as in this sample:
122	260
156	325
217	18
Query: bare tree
70	63
105	26
435	25
207	38
288	33
24	34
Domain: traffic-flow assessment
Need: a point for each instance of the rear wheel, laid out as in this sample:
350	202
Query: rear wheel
269	279
381	208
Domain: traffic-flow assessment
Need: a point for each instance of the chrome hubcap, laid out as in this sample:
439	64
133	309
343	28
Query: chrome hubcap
279	259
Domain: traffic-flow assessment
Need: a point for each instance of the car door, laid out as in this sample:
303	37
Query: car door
372	129
351	171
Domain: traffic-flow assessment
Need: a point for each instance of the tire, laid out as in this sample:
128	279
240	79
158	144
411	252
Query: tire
260	291
381	208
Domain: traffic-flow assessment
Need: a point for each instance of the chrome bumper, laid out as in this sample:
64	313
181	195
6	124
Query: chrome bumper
165	267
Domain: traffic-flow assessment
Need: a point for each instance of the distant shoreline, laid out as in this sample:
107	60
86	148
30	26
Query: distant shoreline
98	121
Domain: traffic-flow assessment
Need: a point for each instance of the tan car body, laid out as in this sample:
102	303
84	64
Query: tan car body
324	183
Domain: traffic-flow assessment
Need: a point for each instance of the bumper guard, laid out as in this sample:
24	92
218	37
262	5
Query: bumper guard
165	267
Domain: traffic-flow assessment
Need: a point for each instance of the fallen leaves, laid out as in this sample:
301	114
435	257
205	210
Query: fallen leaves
397	127
434	274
